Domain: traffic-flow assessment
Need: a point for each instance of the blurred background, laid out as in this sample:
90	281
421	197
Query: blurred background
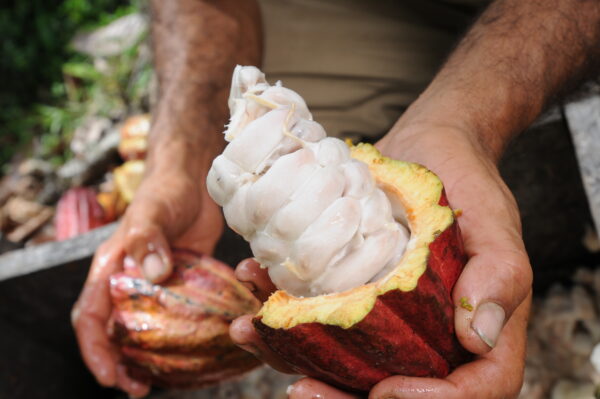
77	89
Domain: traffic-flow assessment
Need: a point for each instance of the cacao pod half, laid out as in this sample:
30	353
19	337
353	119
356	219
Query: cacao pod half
78	212
134	137
402	324
176	335
128	178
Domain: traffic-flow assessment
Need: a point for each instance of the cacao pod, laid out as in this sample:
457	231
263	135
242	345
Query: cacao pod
176	334
78	212
364	250
400	325
113	204
128	178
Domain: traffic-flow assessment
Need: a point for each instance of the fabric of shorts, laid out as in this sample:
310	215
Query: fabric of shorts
359	63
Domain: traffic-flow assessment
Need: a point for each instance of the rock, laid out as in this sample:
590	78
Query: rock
114	38
88	134
35	167
566	389
583	119
20	210
595	358
31	226
78	172
263	383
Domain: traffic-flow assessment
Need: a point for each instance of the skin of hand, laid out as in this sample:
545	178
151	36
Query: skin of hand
196	46
516	59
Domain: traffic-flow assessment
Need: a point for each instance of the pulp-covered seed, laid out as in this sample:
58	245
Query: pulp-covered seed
274	189
236	214
359	182
307	203
331	151
376	212
326	236
253	146
284	97
357	267
308	130
269	249
286	277
401	247
313	215
224	178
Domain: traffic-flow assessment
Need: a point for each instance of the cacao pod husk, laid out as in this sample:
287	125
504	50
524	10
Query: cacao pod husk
176	334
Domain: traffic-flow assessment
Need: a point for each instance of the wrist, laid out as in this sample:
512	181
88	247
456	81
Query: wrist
435	146
465	116
186	150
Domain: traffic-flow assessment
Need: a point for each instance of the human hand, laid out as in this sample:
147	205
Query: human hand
496	280
170	209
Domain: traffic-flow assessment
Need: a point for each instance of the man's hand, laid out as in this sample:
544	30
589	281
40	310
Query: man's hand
196	43
517	58
496	280
169	209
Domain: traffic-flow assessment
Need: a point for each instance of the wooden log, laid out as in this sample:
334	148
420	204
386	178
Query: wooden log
52	254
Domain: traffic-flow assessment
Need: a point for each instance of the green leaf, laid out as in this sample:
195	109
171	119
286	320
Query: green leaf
81	70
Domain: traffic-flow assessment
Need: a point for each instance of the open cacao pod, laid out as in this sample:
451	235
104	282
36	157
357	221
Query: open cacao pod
134	137
364	250
400	325
176	334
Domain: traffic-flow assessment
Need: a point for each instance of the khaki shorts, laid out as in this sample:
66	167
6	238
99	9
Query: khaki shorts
358	63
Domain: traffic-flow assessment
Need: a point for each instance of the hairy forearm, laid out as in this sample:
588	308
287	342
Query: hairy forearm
517	58
197	43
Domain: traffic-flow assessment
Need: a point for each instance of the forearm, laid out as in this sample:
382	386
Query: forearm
197	44
518	57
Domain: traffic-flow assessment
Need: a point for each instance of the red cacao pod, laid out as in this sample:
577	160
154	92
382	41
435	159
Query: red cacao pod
402	324
176	334
78	212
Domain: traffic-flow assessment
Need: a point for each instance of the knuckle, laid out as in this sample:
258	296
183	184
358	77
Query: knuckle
517	269
136	234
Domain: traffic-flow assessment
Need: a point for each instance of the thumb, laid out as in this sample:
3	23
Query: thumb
495	281
146	243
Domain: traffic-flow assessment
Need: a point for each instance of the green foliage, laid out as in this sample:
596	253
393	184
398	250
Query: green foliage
47	87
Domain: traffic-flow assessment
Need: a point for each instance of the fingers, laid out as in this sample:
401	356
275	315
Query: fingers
249	272
496	375
495	281
146	243
182	218
133	387
244	335
91	313
308	388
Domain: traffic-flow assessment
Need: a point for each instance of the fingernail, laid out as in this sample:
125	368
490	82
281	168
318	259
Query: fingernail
153	267
488	322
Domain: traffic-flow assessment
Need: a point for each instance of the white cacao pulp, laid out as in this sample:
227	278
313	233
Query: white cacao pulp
312	214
